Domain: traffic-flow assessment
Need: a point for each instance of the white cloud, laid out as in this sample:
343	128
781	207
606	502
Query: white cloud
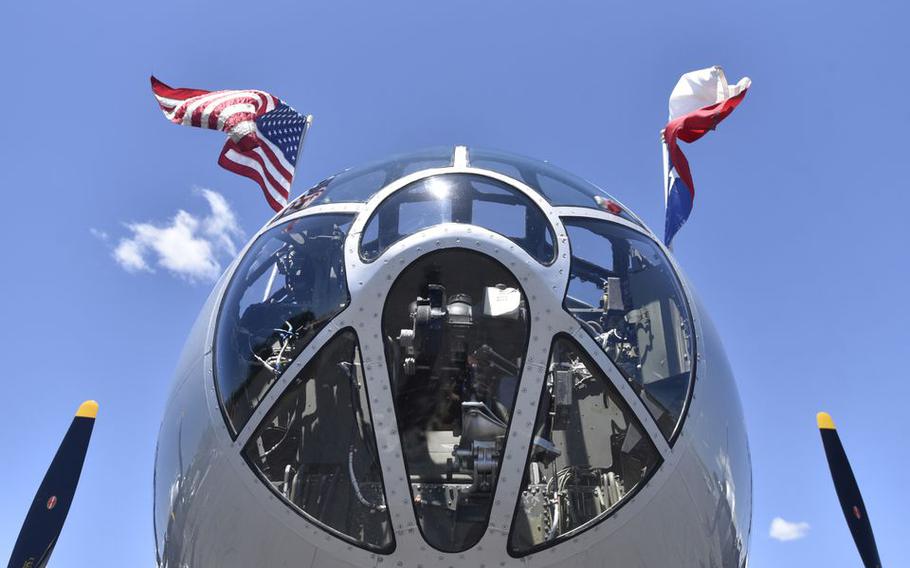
783	530
221	226
187	246
99	234
128	254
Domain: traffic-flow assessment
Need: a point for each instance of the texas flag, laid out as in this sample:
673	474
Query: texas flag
700	100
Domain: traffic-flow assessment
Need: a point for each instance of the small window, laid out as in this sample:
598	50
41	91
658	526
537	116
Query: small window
456	328
626	295
288	286
560	187
417	215
494	208
316	448
459	198
357	185
589	453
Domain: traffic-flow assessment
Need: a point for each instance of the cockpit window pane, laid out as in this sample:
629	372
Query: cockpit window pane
456	328
316	448
288	286
588	455
357	185
459	198
625	293
560	187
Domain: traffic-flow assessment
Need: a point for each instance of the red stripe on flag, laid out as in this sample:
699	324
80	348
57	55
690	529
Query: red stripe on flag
245	171
263	100
196	117
690	127
237	118
178	115
216	112
274	159
249	153
166	91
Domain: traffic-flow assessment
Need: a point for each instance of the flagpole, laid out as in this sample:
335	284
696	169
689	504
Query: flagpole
666	159
306	130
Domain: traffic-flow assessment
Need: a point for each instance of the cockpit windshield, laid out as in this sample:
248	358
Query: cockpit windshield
560	187
288	286
357	185
456	328
626	295
459	198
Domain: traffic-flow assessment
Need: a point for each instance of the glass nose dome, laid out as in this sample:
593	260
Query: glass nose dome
559	187
335	311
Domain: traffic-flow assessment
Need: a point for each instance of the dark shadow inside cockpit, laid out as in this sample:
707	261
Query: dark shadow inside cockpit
456	330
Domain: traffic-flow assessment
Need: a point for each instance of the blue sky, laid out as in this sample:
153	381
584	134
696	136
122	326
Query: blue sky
797	243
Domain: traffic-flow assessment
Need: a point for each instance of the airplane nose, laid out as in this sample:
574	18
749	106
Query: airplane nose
451	358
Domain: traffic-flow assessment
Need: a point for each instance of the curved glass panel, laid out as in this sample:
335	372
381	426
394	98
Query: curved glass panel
288	286
456	329
357	185
624	291
560	187
459	198
316	448
588	455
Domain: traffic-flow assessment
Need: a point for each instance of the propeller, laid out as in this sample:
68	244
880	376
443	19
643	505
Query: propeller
45	518
848	492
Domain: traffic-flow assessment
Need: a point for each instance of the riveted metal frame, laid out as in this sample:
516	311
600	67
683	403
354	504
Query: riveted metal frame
368	285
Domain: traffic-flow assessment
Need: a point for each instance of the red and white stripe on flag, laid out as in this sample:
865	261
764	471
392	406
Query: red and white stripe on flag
262	165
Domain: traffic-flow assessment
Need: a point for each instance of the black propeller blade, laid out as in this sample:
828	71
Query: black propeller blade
45	518
848	492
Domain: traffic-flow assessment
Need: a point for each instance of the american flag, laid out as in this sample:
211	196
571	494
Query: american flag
265	134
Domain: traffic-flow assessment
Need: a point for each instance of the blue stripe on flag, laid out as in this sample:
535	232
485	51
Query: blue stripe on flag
679	205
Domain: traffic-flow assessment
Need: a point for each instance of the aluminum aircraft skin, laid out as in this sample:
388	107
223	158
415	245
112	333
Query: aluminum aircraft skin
263	474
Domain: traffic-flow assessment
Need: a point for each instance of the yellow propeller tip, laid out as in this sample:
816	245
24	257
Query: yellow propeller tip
825	422
88	409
